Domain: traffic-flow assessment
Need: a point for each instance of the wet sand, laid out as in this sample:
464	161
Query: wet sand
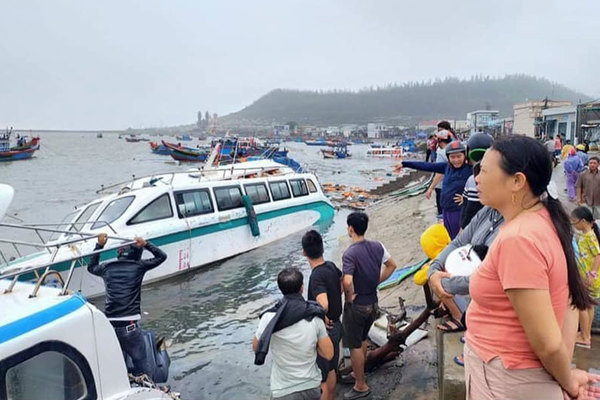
398	224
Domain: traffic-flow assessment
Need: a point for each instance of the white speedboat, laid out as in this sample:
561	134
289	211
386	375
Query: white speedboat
196	217
385	152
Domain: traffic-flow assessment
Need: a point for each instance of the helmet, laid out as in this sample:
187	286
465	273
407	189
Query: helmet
580	147
443	135
455	147
478	143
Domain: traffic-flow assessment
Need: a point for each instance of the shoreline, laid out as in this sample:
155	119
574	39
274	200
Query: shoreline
398	224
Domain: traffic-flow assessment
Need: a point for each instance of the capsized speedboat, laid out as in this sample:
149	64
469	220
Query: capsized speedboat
197	217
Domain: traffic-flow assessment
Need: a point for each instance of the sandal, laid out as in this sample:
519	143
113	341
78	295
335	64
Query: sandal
440	312
460	360
451	325
355	394
584	345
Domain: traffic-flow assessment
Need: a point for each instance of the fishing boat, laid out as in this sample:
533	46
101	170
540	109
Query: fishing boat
23	150
197	217
99	135
187	154
159	148
385	152
340	151
185	138
319	142
133	139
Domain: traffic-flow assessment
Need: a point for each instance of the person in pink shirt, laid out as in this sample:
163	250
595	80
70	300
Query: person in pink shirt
522	320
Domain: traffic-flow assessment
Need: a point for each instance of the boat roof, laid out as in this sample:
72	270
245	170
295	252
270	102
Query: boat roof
21	314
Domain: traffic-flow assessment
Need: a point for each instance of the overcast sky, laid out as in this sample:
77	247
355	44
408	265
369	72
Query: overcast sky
114	64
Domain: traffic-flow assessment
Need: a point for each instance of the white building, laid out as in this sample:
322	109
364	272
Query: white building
528	116
561	120
376	130
481	120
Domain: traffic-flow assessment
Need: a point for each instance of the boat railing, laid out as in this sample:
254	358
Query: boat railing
17	272
52	247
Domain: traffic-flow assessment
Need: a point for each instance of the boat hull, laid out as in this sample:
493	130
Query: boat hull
17	155
202	244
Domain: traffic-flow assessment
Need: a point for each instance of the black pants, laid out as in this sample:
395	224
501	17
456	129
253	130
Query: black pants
438	195
131	339
427	155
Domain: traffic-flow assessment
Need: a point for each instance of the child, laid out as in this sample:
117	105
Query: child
589	261
456	172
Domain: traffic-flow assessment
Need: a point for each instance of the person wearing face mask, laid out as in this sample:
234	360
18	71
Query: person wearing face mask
588	241
123	282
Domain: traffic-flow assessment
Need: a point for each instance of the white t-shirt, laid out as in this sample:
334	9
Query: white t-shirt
294	353
440	157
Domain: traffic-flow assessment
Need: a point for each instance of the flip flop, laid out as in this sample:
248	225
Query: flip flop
459	360
583	345
440	312
447	327
353	394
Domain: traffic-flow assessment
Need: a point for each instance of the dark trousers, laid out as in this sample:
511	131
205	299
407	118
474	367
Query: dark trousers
427	155
438	199
131	339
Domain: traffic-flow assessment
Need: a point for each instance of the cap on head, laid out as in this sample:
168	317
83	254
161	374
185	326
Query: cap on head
131	253
455	147
580	147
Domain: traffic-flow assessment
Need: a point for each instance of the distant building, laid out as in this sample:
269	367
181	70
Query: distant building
333	131
427	125
561	120
348	129
282	130
528	116
481	120
376	130
588	121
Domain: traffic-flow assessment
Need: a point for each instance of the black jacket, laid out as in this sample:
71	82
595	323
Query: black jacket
123	281
289	310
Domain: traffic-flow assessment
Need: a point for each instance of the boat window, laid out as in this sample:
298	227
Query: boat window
47	375
64	225
193	202
159	208
258	193
298	187
279	190
113	210
84	217
311	186
228	197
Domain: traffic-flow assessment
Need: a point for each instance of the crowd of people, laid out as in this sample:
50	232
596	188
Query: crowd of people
527	302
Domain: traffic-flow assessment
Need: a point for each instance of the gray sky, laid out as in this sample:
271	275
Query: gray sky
113	64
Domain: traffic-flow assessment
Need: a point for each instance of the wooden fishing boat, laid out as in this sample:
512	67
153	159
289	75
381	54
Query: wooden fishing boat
22	151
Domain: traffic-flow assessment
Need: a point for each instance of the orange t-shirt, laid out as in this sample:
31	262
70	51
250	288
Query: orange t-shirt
526	254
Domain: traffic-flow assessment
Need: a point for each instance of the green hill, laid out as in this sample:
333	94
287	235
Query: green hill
450	98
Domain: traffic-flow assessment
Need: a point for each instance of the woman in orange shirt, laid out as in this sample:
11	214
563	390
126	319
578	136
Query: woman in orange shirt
521	329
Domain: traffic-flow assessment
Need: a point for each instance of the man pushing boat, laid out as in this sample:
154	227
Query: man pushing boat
123	281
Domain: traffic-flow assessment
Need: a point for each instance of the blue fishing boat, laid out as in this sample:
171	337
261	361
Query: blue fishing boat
185	138
22	151
160	149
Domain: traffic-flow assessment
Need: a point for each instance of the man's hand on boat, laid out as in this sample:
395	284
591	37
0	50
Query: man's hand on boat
140	241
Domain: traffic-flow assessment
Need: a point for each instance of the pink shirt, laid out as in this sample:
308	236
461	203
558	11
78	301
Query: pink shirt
527	254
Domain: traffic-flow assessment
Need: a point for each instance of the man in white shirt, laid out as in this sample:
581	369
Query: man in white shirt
294	372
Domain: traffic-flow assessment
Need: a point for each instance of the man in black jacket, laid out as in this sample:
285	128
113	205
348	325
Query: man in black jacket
123	281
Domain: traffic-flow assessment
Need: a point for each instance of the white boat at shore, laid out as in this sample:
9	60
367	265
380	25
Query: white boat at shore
385	152
197	217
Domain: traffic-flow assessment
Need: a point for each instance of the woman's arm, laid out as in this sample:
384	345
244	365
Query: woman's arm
569	329
535	312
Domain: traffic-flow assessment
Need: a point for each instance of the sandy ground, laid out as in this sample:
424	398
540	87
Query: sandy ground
398	224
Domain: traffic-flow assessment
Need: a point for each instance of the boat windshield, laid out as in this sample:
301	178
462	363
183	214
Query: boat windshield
84	217
114	210
64	225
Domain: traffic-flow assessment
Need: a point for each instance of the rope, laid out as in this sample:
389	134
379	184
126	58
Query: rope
146	382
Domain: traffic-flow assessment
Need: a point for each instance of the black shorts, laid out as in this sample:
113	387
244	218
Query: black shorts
335	334
357	321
